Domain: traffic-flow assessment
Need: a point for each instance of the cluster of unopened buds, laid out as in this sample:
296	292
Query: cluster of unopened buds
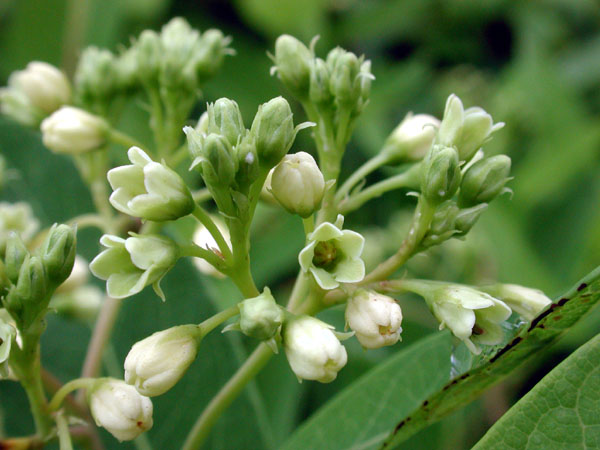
448	173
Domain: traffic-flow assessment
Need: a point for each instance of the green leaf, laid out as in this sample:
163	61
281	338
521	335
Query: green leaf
361	415
543	331
561	411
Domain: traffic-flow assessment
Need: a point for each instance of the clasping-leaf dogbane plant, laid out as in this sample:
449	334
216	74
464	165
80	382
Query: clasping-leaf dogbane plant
138	205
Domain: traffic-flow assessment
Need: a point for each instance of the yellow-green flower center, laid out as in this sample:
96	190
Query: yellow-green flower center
326	255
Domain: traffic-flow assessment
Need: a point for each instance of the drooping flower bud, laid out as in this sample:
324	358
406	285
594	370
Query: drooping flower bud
526	302
119	408
298	184
149	190
333	255
484	180
261	317
58	252
273	131
374	318
131	264
73	131
155	364
312	349
46	87
441	174
412	138
292	60
225	118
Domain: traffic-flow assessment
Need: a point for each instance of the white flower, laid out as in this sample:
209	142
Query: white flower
120	409
413	137
155	364
202	238
46	87
73	131
313	350
148	189
374	318
298	184
333	255
526	302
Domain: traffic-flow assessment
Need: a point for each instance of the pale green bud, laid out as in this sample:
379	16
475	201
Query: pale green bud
273	131
16	252
441	174
74	131
149	56
210	53
78	276
45	87
29	297
345	83
313	350
476	130
365	78
442	225
298	184
131	264
248	163
452	122
293	61
58	252
202	125
119	408
467	217
96	75
484	180
149	190
155	364
319	84
225	118
412	138
18	218
177	35
526	302
261	317
216	158
375	318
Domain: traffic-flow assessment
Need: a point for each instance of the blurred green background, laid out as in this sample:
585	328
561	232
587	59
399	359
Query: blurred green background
534	65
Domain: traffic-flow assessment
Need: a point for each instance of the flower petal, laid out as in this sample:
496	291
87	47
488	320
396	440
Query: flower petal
351	243
350	270
324	278
325	232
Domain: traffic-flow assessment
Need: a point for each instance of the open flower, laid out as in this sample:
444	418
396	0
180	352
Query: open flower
470	314
131	264
375	318
333	255
313	350
148	189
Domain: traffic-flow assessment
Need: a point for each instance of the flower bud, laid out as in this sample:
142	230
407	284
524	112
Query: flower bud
17	218
29	297
119	408
442	225
484	180
131	264
58	252
16	252
441	174
412	139
248	163
210	53
313	350
46	87
73	131
374	318
224	118
298	184
467	217
526	302
96	76
344	82
273	129
215	157
452	122
202	125
319	84
261	317
149	56
149	190
292	60
155	364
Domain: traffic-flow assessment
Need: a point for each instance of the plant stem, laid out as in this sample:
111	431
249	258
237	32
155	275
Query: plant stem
213	322
420	225
74	36
64	438
120	138
203	217
409	179
370	166
66	389
257	360
201	195
100	336
309	224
